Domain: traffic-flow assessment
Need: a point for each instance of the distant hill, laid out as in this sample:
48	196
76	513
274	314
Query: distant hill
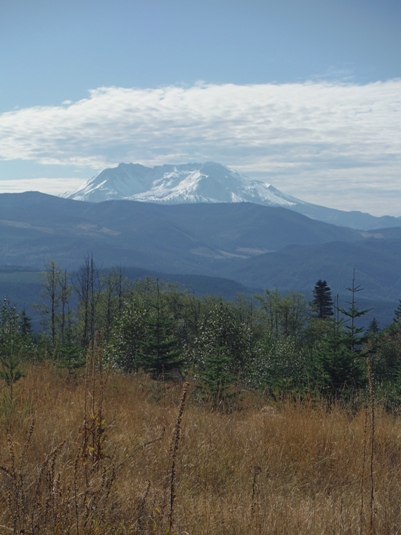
377	264
209	182
199	239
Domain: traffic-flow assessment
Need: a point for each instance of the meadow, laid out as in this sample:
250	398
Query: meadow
104	453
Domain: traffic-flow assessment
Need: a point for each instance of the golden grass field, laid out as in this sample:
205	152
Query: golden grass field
106	455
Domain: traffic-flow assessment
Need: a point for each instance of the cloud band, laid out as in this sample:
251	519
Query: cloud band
272	130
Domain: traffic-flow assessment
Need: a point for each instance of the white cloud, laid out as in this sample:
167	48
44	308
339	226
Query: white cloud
293	135
53	186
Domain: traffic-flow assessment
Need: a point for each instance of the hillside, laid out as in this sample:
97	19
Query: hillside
199	238
377	264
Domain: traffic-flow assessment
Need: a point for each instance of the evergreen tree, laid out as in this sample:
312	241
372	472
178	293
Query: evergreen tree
322	303
220	353
373	327
338	368
13	344
25	324
128	335
397	312
145	308
70	356
354	337
160	353
341	364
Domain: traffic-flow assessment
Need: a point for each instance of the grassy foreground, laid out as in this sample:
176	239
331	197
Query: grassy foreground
112	454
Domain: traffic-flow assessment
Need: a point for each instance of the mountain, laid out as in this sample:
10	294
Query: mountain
198	238
209	183
178	184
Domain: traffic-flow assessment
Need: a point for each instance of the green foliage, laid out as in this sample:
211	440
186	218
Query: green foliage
10	370
151	330
283	315
387	355
373	328
271	343
397	313
160	352
339	368
70	356
220	354
127	336
279	365
354	337
14	344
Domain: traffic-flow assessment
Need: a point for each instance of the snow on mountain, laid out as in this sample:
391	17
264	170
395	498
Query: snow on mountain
176	184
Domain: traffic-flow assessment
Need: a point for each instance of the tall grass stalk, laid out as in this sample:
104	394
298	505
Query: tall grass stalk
174	451
372	448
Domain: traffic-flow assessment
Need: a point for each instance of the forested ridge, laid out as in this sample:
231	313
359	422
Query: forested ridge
273	343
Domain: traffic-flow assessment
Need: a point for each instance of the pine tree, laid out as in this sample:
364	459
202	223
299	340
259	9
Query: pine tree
397	312
12	345
322	303
339	368
160	353
220	354
354	337
25	323
373	327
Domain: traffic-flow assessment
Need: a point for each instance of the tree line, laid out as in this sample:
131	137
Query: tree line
278	344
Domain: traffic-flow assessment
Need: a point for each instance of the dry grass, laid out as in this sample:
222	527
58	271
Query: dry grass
288	469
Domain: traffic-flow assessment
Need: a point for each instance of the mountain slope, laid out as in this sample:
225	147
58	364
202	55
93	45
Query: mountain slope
377	263
209	183
184	238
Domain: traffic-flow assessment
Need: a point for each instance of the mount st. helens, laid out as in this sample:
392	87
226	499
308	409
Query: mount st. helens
179	184
209	183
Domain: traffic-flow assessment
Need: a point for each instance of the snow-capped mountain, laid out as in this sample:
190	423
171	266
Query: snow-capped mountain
209	183
178	184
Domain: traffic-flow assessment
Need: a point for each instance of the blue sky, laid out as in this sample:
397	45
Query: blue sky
305	94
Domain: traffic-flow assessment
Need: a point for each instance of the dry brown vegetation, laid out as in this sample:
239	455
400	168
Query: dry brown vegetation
109	454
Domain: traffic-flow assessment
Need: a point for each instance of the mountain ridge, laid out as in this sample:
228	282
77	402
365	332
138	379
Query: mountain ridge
39	226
